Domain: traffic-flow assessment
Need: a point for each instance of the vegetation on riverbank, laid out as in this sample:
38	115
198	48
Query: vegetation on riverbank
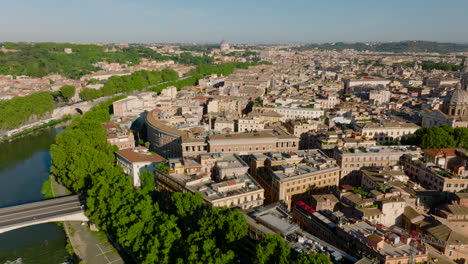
35	128
140	80
136	81
20	110
46	188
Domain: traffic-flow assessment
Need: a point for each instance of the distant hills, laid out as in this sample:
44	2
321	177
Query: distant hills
402	46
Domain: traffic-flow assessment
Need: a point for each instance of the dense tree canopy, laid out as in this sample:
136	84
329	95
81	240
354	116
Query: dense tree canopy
137	81
440	66
67	92
89	94
274	250
440	137
19	110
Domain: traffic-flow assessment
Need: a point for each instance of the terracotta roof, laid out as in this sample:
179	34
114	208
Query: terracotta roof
109	125
450	152
135	156
375	238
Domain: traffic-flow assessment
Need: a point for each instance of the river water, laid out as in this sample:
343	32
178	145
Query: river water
24	166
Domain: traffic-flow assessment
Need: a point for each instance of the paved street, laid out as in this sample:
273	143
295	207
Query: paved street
88	246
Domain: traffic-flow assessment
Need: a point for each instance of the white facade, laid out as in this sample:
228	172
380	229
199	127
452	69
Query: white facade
250	124
299	113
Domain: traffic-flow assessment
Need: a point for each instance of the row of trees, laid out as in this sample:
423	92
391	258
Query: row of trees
158	80
179	229
19	110
136	81
440	66
432	65
439	137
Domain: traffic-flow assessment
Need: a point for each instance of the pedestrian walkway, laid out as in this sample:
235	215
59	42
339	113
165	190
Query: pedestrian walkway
91	248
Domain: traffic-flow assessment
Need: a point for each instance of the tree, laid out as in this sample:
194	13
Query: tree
163	167
148	184
67	91
20	110
318	258
439	137
272	250
88	94
186	205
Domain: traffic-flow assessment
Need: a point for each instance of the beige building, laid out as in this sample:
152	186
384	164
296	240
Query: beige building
135	105
222	180
329	103
431	176
387	132
135	161
300	127
351	160
170	92
297	113
290	174
224	125
247	143
248	124
392	209
385	246
119	137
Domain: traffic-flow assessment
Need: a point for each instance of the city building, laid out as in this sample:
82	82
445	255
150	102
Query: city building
136	160
387	132
432	176
351	160
286	176
122	138
222	180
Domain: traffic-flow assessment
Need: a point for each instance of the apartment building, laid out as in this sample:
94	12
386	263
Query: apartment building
222	180
248	124
136	160
299	113
290	174
122	138
386	132
374	242
351	160
432	176
247	143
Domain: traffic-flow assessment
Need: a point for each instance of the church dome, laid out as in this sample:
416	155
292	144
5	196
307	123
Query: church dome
459	97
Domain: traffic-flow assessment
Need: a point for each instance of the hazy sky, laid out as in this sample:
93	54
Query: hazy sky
252	21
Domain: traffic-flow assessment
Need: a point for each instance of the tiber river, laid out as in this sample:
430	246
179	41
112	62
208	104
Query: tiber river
24	166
